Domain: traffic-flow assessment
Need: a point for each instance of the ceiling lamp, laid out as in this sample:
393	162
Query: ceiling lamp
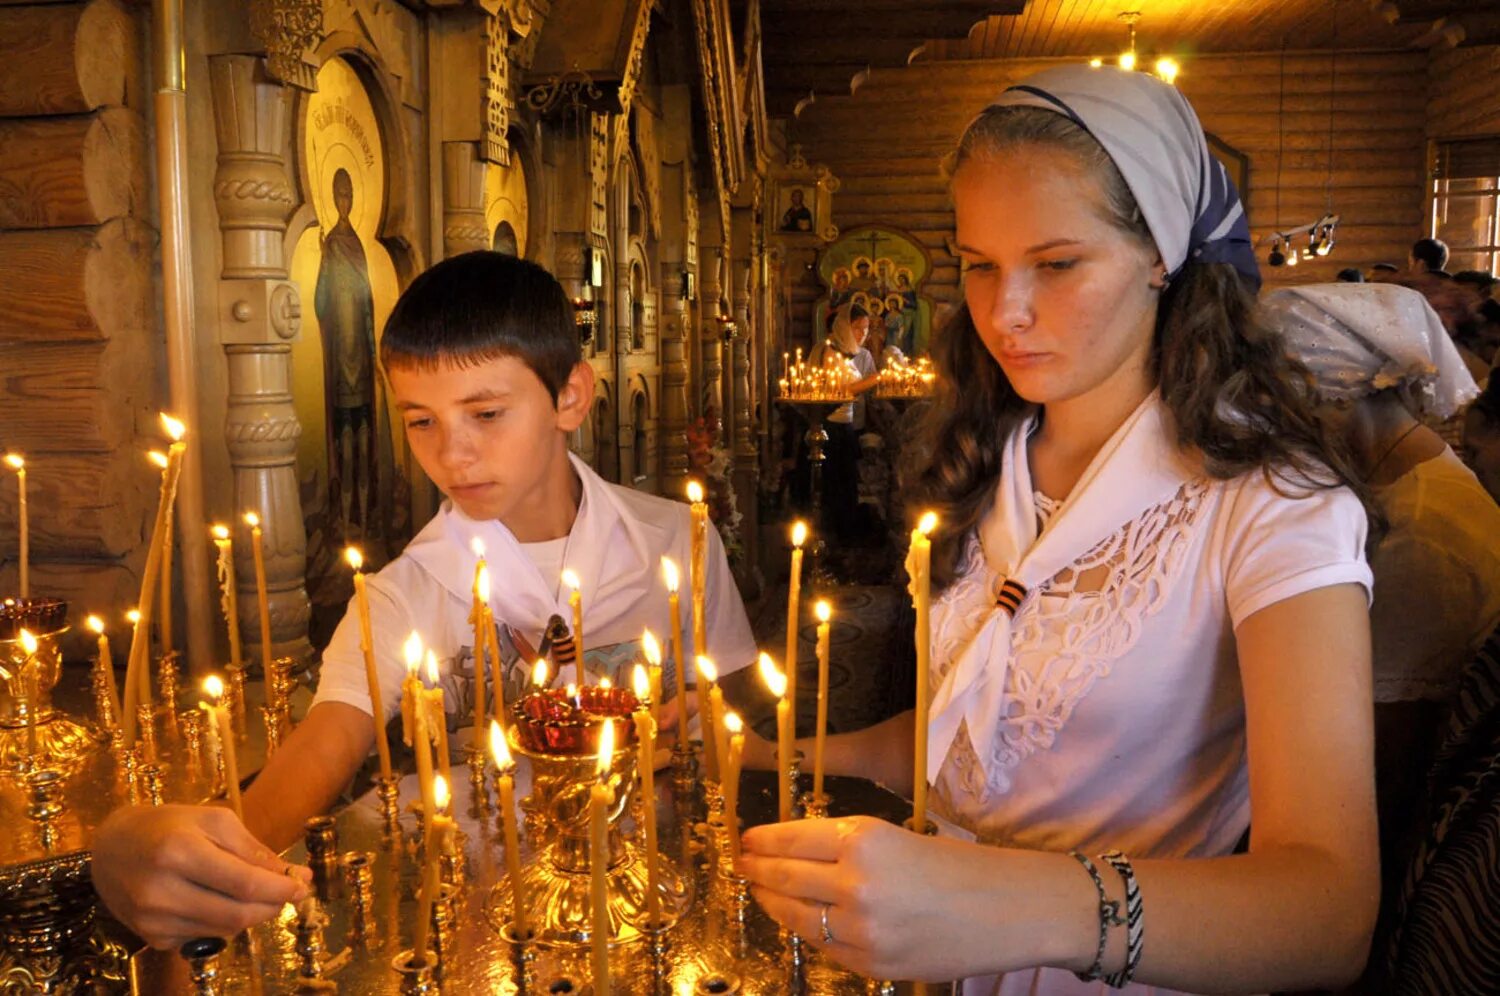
1320	240
1165	68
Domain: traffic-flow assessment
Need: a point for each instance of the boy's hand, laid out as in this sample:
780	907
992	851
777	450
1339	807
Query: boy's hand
172	873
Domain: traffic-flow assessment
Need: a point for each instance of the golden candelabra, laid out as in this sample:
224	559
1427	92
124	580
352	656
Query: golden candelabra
902	378
33	735
829	381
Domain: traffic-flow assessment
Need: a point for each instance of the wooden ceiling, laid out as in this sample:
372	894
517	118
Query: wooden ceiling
815	48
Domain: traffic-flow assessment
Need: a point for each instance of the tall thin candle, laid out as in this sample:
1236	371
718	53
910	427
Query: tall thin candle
776	684
17	463
477	620
367	648
435	838
575	601
164	617
732	763
696	565
710	700
414	720
674	644
919	567
652	650
263	602
505	765
229	601
437	716
221	729
106	667
645	731
601	798
29	682
793	613
824	613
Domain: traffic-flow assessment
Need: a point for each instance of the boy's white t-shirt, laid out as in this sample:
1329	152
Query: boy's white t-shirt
618	539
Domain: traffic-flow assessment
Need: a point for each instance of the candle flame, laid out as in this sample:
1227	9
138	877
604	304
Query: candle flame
606	748
570	578
500	750
733	723
823	610
95	623
651	648
354	557
694	492
706	669
927	524
412	650
213	687
159	458
641	681
484	584
605	683
174	427
28	642
799	533
477	545
539	673
432	668
670	574
15	461
252	520
571	691
774	679
440	792
133	617
220	532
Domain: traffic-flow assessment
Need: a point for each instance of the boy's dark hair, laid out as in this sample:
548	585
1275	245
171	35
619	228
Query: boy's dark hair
1432	252
480	306
1351	275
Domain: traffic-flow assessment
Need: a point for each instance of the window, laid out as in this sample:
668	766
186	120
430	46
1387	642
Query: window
1466	203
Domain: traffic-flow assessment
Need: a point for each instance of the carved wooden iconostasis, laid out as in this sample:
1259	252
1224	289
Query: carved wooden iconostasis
351	458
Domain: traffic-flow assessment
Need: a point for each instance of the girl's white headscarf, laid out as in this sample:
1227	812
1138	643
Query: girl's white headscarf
1361	338
1153	136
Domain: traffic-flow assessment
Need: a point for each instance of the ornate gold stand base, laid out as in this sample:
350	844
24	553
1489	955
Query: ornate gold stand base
60	743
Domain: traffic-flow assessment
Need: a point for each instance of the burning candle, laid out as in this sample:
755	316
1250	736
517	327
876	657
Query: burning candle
674	641
498	665
645	732
229	600
712	709
793	597
414	722
106	667
164	617
221	729
652	650
367	647
776	683
436	843
732	761
575	601
601	798
477	618
699	555
919	567
824	613
506	782
257	550
437	716
539	676
29	682
17	463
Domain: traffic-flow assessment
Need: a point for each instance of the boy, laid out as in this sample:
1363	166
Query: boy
484	365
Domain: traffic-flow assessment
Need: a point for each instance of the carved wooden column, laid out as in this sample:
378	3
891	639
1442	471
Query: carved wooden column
674	379
710	342
744	339
464	229
260	315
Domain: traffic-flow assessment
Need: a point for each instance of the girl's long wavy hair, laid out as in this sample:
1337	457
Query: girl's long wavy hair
1234	393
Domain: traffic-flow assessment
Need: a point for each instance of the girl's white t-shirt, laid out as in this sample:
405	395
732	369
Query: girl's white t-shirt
1125	719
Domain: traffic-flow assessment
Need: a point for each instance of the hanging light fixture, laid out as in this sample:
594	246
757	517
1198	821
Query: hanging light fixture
1165	68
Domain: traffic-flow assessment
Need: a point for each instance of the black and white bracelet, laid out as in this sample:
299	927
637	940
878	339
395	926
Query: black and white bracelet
1109	916
1135	930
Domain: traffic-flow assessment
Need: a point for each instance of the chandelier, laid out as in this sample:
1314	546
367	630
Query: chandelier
1164	68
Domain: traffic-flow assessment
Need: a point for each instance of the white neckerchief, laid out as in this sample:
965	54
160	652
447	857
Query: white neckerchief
1139	467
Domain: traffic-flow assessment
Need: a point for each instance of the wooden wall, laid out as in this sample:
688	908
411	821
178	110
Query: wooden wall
78	311
886	141
1463	99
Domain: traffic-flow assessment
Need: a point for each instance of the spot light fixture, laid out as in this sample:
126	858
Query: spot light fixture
1164	68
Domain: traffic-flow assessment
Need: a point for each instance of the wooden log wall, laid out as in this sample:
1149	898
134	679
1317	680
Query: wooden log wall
78	326
1462	98
885	144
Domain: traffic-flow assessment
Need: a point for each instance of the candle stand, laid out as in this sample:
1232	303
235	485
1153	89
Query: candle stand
814	413
27	717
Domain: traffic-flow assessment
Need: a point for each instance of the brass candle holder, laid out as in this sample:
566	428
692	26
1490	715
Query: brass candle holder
167	669
388	791
480	797
202	955
44	806
27	718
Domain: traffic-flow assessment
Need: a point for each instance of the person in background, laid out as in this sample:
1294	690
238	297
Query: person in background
1382	362
845	344
1428	256
1481	437
1351	275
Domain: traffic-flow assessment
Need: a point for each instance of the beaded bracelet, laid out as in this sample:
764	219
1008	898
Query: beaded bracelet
1109	916
1135	931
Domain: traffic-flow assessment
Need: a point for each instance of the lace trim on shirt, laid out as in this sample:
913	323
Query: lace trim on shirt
1068	633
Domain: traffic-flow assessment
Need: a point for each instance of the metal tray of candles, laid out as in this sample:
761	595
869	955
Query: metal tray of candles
367	881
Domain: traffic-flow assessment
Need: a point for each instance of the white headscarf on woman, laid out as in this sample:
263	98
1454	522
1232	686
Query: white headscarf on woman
842	334
1357	339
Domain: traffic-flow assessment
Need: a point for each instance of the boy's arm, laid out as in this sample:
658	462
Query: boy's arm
307	772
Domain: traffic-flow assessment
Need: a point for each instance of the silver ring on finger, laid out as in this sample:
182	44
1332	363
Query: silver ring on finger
823	921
